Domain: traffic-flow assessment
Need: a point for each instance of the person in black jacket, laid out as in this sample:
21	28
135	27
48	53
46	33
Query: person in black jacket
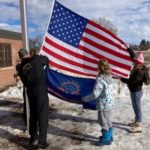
23	54
135	83
38	98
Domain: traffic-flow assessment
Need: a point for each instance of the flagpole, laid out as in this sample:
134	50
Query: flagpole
24	26
25	40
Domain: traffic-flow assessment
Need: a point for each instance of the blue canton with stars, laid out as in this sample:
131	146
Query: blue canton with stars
66	25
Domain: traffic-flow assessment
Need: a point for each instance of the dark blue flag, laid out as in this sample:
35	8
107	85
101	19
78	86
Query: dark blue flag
69	88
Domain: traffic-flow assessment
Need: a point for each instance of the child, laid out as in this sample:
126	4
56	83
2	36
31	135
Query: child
102	93
135	84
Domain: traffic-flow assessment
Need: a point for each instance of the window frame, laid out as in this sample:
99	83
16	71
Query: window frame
5	55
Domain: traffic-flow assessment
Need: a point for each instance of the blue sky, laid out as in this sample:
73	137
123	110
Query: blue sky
130	17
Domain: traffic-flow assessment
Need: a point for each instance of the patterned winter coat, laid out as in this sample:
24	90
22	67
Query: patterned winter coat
102	93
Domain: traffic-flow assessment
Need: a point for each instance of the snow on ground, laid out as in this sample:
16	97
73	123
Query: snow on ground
70	126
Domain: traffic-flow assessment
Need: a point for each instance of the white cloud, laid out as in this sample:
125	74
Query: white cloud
146	32
16	28
9	12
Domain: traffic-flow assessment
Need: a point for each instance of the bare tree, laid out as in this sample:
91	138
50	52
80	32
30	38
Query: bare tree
106	24
36	42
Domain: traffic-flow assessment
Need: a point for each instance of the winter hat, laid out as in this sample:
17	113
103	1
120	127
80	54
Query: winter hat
139	58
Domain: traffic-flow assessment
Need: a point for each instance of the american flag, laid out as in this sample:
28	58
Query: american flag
75	44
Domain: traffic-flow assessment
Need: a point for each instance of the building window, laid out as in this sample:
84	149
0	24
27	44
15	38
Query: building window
5	55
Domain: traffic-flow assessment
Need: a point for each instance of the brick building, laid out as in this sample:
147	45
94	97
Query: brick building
10	43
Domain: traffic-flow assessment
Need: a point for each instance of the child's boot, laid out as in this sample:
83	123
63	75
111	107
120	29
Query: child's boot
111	134
105	139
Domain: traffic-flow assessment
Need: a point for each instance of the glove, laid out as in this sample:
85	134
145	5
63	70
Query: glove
131	52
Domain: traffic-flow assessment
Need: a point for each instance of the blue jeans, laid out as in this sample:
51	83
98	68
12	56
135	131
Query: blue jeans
136	104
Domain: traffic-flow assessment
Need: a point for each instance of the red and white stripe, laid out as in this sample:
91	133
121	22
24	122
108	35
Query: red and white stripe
96	43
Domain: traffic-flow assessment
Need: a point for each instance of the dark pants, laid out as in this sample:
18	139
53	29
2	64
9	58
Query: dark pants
24	106
39	105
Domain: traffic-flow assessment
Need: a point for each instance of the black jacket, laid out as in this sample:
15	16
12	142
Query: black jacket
19	68
136	79
37	74
39	62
